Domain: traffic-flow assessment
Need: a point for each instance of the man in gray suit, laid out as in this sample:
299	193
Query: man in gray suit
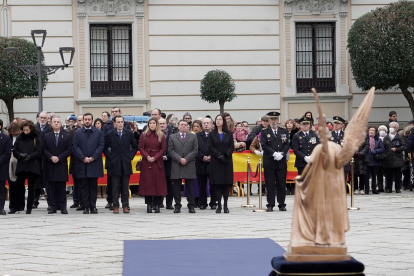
183	148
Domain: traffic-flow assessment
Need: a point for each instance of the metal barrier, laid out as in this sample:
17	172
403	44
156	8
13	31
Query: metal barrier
260	189
352	186
248	205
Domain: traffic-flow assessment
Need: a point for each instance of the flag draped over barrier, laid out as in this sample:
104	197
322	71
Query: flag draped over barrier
239	168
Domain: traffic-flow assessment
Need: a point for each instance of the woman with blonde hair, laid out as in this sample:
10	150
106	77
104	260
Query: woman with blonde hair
152	183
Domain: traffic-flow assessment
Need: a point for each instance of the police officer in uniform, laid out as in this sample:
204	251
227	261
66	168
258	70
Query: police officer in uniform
303	144
275	144
338	137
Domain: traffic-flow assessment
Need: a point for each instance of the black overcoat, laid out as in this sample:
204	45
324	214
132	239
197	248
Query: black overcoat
5	151
122	152
361	164
56	171
271	144
219	172
31	145
339	139
201	166
89	143
168	162
394	159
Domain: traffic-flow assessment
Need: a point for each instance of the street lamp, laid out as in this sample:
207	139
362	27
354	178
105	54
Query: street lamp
39	69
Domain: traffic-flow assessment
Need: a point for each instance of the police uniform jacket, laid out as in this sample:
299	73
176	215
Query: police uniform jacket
271	144
303	146
339	139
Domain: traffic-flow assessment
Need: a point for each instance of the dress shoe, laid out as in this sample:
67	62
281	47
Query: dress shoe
380	190
367	192
149	208
109	205
58	208
375	192
94	211
34	206
191	210
226	210
388	191
177	210
48	209
203	207
162	206
218	210
170	207
213	207
111	208
269	209
85	211
52	212
2	212
282	209
126	210
65	212
28	212
74	205
80	208
157	208
12	211
116	210
398	191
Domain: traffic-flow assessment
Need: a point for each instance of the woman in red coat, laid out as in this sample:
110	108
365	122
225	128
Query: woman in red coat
152	183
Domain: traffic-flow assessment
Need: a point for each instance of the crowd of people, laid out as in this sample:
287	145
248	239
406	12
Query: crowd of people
196	153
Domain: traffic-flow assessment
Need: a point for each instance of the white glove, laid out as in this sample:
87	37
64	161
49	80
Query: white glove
307	159
258	152
278	156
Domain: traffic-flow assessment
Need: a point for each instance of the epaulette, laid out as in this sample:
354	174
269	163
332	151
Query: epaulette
311	130
283	127
264	128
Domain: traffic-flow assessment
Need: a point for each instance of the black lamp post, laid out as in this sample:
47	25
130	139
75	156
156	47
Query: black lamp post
40	70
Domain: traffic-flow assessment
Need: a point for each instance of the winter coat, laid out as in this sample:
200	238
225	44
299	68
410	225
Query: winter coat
360	167
5	151
56	171
221	171
379	149
152	179
393	159
31	145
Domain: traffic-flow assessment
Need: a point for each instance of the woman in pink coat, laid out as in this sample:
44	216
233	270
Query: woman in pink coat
152	183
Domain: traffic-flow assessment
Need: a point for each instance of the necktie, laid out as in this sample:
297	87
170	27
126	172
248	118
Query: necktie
206	135
183	137
275	132
306	134
57	138
42	128
120	134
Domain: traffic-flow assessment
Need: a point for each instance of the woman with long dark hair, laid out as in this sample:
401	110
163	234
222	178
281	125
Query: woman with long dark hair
221	145
27	151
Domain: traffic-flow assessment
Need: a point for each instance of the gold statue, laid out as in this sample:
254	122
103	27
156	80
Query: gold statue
320	214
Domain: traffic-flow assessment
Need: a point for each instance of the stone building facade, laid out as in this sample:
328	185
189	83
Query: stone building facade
141	54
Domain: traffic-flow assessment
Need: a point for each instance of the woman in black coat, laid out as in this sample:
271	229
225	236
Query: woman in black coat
221	145
393	159
360	167
27	151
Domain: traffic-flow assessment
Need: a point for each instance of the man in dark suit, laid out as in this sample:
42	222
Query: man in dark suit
183	149
123	149
303	144
5	153
42	127
275	144
88	145
338	137
202	165
56	148
167	165
115	111
76	193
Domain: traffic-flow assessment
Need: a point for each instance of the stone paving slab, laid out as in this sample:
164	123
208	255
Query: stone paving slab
77	244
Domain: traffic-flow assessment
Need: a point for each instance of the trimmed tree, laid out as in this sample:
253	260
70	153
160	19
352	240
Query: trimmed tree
381	47
217	85
14	84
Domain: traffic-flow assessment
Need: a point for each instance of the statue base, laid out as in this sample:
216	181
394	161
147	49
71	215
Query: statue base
327	268
313	253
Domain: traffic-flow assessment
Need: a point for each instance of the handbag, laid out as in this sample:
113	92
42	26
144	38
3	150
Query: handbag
139	163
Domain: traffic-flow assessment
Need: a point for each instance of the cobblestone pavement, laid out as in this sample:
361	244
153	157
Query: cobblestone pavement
76	244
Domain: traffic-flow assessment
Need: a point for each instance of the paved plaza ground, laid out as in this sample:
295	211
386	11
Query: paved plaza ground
381	234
